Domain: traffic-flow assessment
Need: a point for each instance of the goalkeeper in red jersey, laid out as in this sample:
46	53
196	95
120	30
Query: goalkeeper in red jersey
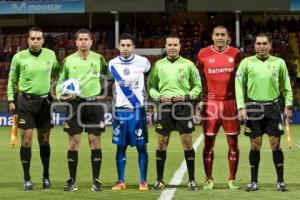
217	64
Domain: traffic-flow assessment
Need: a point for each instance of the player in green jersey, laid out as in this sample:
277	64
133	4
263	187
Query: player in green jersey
86	114
31	73
174	81
259	81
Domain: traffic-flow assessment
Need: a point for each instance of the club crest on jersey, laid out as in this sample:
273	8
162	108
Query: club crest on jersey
230	59
126	71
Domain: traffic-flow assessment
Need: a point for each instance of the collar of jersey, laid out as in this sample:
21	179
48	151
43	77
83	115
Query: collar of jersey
128	59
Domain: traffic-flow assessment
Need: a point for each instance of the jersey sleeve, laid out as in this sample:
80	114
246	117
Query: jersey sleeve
240	84
152	85
62	76
13	79
285	84
147	65
104	65
199	63
195	83
55	65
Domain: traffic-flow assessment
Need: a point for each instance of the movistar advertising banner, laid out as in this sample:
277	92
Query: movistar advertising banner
42	7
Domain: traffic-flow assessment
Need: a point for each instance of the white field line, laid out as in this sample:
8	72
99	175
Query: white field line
168	193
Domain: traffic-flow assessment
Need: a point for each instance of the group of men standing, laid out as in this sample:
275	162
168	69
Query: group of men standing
230	94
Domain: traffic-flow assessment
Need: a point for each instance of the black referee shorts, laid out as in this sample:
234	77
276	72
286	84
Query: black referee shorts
264	119
34	112
175	117
86	116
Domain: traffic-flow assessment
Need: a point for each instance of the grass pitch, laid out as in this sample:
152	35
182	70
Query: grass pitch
11	176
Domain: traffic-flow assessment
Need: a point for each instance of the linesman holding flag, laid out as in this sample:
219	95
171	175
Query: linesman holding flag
259	80
31	70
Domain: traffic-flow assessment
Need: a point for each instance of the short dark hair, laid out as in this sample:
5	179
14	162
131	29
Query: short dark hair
263	35
83	30
126	36
173	36
221	27
34	28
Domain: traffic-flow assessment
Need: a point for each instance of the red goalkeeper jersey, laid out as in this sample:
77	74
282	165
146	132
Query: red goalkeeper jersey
218	72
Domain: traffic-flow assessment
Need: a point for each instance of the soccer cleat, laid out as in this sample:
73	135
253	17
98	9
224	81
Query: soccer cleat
120	185
46	183
192	186
96	186
159	185
232	184
70	185
281	186
28	185
208	185
252	186
143	186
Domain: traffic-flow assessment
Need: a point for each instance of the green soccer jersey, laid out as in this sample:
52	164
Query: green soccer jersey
32	74
86	71
262	80
173	79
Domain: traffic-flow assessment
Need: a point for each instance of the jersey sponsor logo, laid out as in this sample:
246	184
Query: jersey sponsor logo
129	84
126	71
220	70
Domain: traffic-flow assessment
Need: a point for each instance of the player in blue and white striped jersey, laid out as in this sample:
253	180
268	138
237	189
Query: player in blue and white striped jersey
129	125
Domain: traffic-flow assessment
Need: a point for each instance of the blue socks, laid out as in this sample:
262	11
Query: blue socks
121	162
143	161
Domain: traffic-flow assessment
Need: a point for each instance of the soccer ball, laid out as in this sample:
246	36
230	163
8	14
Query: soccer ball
70	87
